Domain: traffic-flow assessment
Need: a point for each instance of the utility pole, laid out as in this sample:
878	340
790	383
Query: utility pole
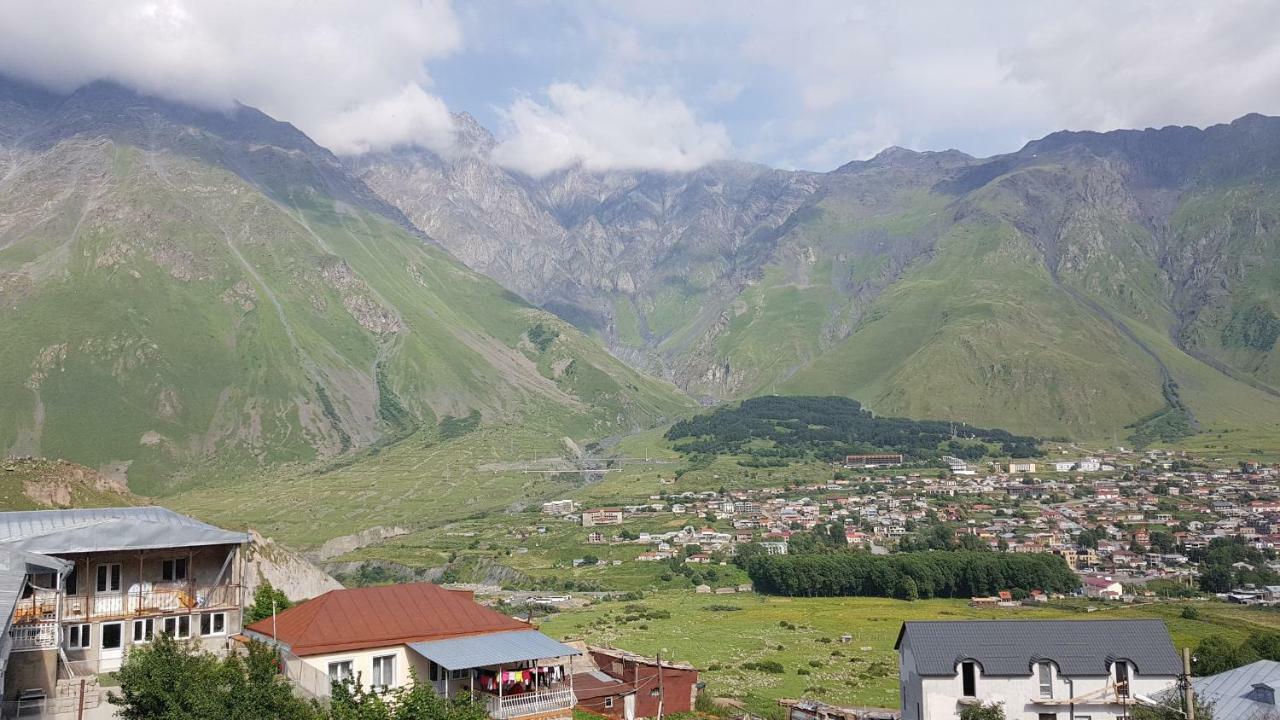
1188	693
660	696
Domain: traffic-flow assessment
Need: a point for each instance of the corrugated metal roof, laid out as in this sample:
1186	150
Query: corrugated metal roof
383	616
491	649
1008	648
15	565
1232	692
107	529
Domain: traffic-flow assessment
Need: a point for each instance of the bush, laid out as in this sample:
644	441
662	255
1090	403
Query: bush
815	663
773	667
802	671
1190	613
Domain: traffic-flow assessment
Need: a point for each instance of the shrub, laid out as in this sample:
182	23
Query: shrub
773	667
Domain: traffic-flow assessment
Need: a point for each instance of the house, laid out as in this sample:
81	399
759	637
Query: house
955	464
601	516
377	635
1245	692
1101	587
1021	466
872	460
774	548
80	587
557	507
673	684
1036	668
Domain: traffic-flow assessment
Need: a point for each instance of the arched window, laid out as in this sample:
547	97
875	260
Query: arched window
1044	673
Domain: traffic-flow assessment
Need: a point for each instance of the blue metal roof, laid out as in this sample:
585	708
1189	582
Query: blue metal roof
1236	694
491	649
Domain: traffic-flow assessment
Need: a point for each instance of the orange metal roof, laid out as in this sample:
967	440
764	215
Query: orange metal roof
362	618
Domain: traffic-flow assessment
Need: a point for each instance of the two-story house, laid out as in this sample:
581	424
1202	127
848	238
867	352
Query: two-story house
99	581
1038	669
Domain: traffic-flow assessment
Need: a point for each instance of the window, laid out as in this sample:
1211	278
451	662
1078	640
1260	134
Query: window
1047	716
111	636
1046	680
384	672
174	569
459	674
341	671
969	678
108	577
79	637
1122	679
143	630
608	702
69	583
213	624
178	627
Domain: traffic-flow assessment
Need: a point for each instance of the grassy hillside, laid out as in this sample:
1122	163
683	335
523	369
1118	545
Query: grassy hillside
39	484
166	314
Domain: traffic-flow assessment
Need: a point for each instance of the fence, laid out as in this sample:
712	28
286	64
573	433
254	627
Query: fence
542	701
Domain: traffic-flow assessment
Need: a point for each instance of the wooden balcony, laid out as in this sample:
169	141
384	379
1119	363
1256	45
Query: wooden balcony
43	606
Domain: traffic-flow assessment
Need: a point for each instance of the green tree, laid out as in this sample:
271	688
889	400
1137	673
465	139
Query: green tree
1215	654
171	680
985	711
262	603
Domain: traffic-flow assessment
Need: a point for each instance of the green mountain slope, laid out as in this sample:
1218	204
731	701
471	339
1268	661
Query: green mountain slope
197	295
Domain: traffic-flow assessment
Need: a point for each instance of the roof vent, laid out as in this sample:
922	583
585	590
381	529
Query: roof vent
1263	693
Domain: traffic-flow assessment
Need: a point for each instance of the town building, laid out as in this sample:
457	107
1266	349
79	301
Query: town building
1038	669
378	635
558	507
80	587
602	516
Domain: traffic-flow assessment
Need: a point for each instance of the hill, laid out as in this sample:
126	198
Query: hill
197	296
1102	286
39	484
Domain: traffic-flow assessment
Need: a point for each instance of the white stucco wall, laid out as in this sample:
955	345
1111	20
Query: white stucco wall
939	697
362	663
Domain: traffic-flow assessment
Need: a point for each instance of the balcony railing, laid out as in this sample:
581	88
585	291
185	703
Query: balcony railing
42	606
34	636
530	703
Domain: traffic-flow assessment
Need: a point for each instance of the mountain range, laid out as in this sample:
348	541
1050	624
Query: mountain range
191	294
1090	285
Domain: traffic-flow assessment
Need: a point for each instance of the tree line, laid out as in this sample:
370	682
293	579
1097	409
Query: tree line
772	428
910	575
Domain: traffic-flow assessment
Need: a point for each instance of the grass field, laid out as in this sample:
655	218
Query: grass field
703	631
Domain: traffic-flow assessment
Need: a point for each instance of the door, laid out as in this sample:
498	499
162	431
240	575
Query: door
110	646
629	707
108	597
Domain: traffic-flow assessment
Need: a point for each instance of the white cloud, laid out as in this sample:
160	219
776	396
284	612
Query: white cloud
605	129
352	74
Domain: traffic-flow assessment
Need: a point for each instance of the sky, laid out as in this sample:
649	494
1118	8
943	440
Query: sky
671	85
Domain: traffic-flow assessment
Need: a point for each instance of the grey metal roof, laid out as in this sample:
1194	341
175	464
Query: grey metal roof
105	529
491	649
1232	692
1008	648
15	565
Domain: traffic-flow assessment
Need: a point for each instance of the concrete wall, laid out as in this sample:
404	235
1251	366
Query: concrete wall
362	663
939	696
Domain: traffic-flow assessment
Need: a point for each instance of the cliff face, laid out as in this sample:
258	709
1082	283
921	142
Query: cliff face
286	570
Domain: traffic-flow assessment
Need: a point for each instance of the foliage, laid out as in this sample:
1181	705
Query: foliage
773	667
170	680
957	574
262	603
1255	327
1171	709
985	711
417	701
542	336
772	427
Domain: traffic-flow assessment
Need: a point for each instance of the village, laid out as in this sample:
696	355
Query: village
1121	521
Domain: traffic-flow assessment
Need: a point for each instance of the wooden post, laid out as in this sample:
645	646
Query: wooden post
1189	695
660	695
80	708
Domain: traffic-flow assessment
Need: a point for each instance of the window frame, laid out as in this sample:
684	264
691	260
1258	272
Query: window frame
377	679
1120	668
969	679
210	617
103	577
350	667
148	633
1044	677
169	569
608	702
84	636
178	624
